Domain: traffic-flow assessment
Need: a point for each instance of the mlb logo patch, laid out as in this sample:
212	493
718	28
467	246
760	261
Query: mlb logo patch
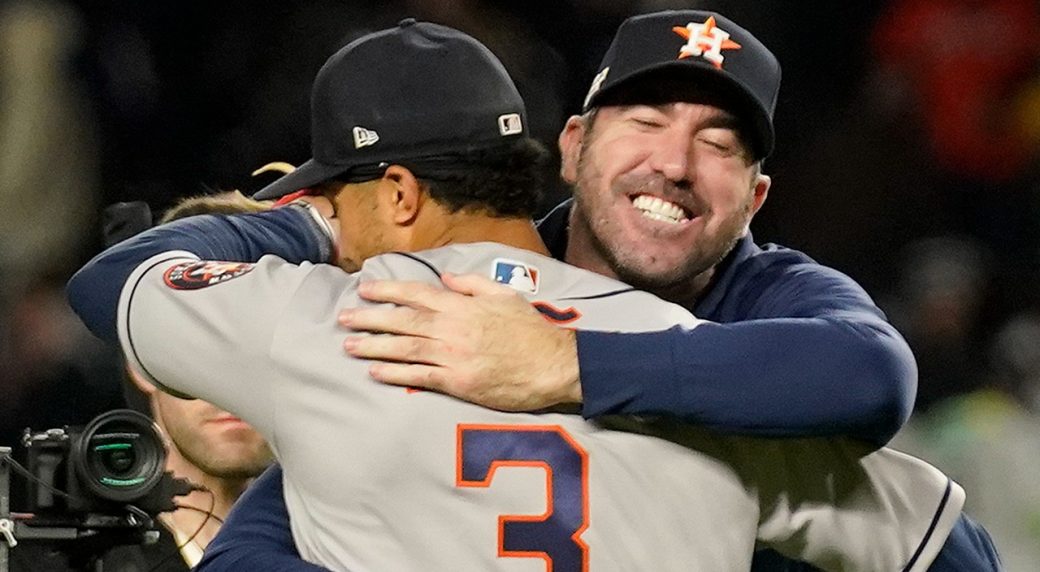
516	275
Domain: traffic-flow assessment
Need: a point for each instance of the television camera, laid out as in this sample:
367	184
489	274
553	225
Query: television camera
90	488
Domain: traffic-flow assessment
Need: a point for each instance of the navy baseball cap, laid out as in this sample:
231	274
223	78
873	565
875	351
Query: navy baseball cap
712	51
413	92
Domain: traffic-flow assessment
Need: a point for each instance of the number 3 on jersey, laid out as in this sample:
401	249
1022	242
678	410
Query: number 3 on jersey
554	536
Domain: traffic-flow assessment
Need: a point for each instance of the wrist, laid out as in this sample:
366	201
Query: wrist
322	226
571	372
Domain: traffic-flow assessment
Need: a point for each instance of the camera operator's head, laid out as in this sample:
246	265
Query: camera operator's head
206	445
208	438
203	439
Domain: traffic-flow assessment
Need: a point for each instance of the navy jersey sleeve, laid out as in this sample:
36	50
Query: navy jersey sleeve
793	349
256	534
292	233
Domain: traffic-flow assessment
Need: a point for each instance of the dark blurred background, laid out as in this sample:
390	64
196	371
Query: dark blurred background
908	156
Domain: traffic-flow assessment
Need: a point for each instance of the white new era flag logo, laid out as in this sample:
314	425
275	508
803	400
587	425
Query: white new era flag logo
364	137
510	124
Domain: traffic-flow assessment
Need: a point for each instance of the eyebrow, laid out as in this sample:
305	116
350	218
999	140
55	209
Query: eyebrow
723	120
726	120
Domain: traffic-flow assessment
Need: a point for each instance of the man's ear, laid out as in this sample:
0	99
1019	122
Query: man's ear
762	184
570	141
139	381
401	192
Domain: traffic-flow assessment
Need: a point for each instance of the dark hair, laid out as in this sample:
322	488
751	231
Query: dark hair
503	181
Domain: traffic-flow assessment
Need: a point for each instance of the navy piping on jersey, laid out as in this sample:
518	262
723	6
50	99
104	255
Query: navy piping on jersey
603	295
931	528
130	338
420	261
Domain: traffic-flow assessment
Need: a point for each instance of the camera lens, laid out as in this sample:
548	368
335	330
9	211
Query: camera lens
118	458
120	455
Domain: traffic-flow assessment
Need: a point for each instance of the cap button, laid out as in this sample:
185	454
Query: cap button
406	22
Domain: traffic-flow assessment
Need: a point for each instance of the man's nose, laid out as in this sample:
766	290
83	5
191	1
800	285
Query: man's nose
671	156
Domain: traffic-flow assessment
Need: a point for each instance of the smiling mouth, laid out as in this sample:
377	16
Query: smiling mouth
658	209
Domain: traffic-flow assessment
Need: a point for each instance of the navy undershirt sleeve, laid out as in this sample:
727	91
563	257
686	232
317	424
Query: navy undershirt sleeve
806	353
769	378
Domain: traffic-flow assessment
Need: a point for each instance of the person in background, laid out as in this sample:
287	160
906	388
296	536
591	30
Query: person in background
987	438
205	445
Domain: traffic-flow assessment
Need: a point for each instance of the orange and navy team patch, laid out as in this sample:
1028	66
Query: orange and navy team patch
203	273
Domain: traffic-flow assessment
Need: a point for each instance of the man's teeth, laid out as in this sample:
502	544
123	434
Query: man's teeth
657	209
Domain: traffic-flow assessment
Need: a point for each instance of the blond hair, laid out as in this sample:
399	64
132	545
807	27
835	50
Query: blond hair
230	202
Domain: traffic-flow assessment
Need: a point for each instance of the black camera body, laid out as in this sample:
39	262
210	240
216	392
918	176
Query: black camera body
90	488
117	459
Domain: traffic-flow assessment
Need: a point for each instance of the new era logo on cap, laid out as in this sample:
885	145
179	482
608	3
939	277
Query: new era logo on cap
364	137
510	124
597	82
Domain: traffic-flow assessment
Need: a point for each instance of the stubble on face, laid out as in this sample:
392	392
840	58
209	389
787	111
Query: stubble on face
363	234
235	454
640	265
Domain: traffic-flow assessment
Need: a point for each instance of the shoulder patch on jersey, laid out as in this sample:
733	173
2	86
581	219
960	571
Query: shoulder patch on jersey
203	273
516	275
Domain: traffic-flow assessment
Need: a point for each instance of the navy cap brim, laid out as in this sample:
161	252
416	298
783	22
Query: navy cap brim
709	79
305	176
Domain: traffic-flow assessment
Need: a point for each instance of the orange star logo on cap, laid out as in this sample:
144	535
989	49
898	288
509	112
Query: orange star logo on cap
705	40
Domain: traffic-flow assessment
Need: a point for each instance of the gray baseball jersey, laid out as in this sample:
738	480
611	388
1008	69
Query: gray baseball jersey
380	477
